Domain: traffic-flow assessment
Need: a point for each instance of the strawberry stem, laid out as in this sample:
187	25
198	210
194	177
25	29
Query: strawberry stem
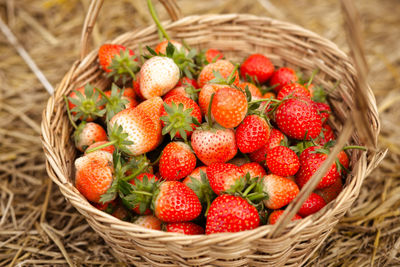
248	189
136	173
255	196
142	193
312	77
156	20
208	204
69	113
230	77
103	94
209	110
264	100
101	146
355	147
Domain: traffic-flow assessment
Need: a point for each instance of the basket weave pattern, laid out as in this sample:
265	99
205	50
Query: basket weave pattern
236	36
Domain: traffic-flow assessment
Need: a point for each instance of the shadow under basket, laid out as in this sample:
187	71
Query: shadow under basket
236	36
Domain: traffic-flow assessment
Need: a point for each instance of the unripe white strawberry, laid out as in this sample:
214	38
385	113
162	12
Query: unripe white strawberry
158	75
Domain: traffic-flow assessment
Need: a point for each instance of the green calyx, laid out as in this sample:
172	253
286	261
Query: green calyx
178	120
219	79
117	138
141	194
203	190
123	66
87	105
115	102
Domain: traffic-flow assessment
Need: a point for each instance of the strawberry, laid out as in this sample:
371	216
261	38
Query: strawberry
239	161
185	82
297	118
231	214
186	228
161	48
293	89
252	134
229	107
177	161
281	191
258	67
139	131
136	86
198	182
152	108
310	160
214	145
326	135
86	104
186	91
254	169
94	174
331	192
88	133
121	213
276	137
223	176
108	148
144	182
274	216
223	67
118	61
116	101
195	175
158	75
212	55
324	110
149	222
205	96
179	116
313	204
254	91
282	77
176	202
267	95
282	161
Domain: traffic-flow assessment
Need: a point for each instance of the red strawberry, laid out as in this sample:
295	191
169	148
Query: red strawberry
331	192
326	135
158	75
282	161
186	228
254	169
229	107
274	216
86	104
223	176
281	191
324	110
205	96
140	130
310	160
185	82
293	89
297	118
87	134
162	47
231	214
213	145
118	61
258	67
224	67
177	161
94	174
254	91
313	204
239	161
149	222
179	116
282	77
275	139
212	55
108	148
176	202
252	134
143	182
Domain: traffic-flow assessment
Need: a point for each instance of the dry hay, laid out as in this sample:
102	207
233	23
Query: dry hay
38	227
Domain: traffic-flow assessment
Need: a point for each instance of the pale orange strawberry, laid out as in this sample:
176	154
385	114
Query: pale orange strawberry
136	86
281	191
195	174
140	129
205	96
162	47
255	92
94	174
109	148
158	75
254	169
87	134
149	222
229	107
224	67
152	108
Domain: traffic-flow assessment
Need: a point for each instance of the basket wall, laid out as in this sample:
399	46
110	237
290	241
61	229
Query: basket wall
236	36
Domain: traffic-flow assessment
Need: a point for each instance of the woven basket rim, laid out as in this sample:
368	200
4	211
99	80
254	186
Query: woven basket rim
250	234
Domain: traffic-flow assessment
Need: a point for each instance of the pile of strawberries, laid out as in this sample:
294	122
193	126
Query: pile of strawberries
186	141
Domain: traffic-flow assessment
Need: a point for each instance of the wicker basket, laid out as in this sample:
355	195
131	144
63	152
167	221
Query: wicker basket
236	36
